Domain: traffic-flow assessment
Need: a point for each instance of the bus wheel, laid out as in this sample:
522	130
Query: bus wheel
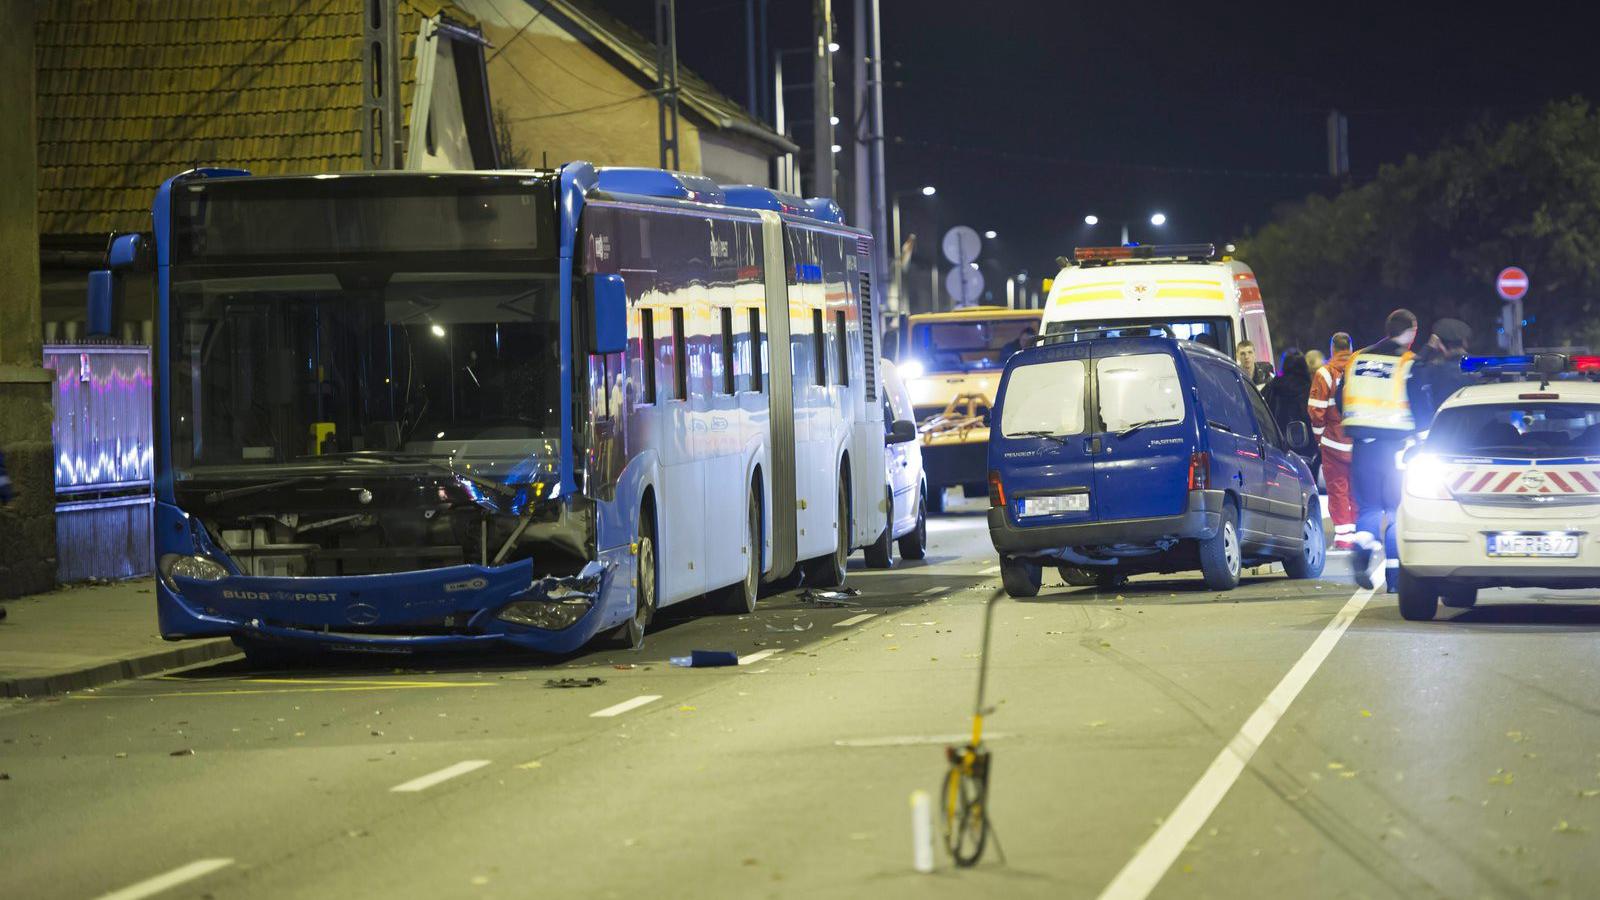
915	544
829	571
740	597
630	634
880	555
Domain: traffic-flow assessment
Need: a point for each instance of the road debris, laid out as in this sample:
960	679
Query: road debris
591	681
830	599
184	752
705	659
795	626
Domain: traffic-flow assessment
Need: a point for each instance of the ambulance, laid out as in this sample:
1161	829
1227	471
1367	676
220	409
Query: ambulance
1186	287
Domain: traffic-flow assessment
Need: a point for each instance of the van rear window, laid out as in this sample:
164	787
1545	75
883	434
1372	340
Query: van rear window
1138	389
1044	398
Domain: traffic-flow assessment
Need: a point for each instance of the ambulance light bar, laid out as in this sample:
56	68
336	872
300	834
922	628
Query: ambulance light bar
1144	251
1538	363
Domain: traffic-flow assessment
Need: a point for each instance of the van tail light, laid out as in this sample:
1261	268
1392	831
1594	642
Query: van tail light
997	491
1199	471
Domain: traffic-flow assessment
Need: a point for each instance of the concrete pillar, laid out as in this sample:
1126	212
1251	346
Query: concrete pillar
28	523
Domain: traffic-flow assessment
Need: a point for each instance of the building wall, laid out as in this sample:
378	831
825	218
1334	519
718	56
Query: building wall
731	162
557	100
27	524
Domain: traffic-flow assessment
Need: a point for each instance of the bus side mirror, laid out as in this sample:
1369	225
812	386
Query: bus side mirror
125	252
608	306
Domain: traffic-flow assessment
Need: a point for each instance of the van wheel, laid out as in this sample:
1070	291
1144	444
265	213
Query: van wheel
740	598
1459	597
829	571
1313	546
915	544
1020	577
880	553
1419	597
1220	556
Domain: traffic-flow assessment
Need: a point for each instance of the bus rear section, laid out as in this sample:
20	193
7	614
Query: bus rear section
951	364
1186	287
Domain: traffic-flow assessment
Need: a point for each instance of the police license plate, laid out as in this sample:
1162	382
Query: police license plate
1534	543
1055	504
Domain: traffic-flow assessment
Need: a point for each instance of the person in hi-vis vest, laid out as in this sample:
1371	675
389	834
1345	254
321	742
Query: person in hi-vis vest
1376	412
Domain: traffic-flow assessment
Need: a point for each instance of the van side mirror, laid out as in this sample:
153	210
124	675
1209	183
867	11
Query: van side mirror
1297	434
124	253
903	431
608	306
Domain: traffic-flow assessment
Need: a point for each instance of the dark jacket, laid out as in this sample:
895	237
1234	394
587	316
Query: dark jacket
1286	396
1432	382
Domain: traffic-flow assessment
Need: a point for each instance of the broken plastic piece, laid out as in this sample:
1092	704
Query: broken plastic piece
591	681
704	659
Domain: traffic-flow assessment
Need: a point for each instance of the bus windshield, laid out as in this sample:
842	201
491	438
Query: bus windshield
365	315
962	345
273	368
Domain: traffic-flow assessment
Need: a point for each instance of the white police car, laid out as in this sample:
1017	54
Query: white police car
1505	489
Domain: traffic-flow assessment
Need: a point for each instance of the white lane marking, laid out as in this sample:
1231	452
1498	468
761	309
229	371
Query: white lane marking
445	774
755	657
933	590
1147	867
989	571
855	620
152	886
624	706
912	740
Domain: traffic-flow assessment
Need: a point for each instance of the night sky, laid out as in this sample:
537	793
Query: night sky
1027	115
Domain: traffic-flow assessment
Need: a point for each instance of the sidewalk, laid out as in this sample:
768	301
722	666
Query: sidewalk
82	636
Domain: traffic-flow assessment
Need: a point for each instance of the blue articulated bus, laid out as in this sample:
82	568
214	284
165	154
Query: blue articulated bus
404	410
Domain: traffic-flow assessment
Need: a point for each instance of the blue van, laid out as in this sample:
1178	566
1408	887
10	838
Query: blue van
1113	453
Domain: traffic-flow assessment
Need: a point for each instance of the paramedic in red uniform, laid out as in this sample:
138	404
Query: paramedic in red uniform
1328	426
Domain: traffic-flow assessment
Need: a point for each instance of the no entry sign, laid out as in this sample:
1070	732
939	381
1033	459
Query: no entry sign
1512	283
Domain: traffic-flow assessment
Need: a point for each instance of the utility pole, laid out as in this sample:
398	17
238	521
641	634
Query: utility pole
1338	144
381	133
880	224
822	102
667	81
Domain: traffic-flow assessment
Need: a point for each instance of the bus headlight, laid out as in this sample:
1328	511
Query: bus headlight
195	568
558	602
1425	478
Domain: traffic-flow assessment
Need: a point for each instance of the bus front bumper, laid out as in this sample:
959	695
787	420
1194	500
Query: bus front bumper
458	607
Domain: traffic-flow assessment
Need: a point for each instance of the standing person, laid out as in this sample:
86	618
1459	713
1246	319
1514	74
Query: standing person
1314	361
1440	376
1375	403
1259	373
1287	394
1327	425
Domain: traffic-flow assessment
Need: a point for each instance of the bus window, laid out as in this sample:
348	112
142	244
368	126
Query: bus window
819	348
758	359
726	358
843	346
680	357
647	352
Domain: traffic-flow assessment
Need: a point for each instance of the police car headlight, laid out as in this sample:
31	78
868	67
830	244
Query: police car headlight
1425	478
195	568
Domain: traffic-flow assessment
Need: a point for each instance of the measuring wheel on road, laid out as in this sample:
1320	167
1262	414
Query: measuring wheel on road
964	805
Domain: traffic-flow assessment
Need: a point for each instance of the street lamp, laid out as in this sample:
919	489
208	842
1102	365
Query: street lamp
926	190
991	234
1091	219
1157	219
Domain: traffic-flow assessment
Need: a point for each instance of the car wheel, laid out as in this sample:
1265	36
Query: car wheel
1020	577
1457	597
1419	597
740	598
1313	553
915	544
880	554
829	571
630	634
1220	554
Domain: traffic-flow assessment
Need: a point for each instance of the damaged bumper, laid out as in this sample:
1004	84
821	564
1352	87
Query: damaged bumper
453	607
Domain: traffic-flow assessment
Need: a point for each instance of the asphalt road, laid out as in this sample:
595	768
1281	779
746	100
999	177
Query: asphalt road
1160	741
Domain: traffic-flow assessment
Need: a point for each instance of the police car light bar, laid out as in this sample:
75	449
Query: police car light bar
1537	363
1145	251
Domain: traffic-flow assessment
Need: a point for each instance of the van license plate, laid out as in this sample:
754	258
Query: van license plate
1534	543
1055	504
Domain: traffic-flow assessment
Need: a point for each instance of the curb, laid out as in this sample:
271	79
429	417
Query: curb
186	654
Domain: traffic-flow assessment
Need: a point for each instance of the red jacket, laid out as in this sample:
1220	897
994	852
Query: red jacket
1323	408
